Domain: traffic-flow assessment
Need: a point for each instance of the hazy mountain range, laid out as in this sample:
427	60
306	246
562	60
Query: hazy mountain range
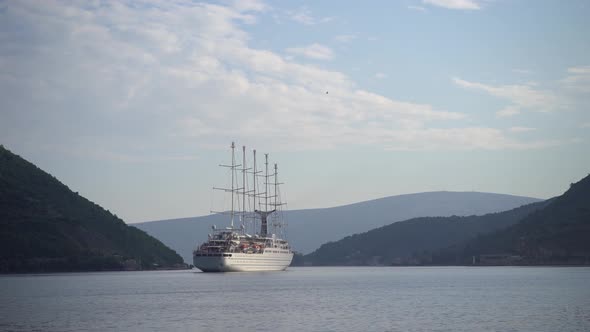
555	231
406	242
557	234
308	229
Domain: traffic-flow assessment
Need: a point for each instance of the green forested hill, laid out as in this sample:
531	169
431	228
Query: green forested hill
412	241
557	234
44	226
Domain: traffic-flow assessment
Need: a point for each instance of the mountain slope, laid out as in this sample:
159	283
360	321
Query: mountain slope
308	229
557	234
44	226
406	241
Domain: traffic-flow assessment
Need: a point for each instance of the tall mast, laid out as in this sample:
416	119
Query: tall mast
234	190
264	214
276	204
276	185
254	182
233	165
243	184
266	183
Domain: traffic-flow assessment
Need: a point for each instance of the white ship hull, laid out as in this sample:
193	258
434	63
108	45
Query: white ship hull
241	262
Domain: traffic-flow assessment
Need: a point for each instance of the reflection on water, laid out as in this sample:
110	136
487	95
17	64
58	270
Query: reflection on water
312	298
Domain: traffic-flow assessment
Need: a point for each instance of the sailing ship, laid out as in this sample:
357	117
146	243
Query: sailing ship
247	247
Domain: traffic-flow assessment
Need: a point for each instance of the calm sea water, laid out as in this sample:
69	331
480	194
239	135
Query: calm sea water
302	299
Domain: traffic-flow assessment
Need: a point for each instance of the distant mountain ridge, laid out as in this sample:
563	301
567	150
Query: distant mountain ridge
411	241
557	234
45	227
308	229
552	232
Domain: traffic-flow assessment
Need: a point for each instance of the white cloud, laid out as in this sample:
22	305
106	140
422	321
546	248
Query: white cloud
583	70
345	38
508	111
417	8
304	16
520	96
521	129
313	51
380	75
522	71
152	82
100	152
567	94
167	41
249	5
577	80
470	138
455	4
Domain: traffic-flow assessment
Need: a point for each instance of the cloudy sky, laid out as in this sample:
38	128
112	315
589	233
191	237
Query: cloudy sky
134	104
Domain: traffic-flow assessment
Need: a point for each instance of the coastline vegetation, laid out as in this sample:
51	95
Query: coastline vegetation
46	227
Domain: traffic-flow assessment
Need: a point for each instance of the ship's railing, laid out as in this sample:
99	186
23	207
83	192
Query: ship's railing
216	254
236	251
245	247
223	253
214	248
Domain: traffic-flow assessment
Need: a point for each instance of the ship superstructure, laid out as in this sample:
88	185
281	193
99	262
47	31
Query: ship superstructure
248	246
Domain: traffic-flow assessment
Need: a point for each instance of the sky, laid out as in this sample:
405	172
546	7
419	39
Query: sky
135	104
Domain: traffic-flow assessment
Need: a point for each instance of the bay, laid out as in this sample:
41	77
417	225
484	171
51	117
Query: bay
302	299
